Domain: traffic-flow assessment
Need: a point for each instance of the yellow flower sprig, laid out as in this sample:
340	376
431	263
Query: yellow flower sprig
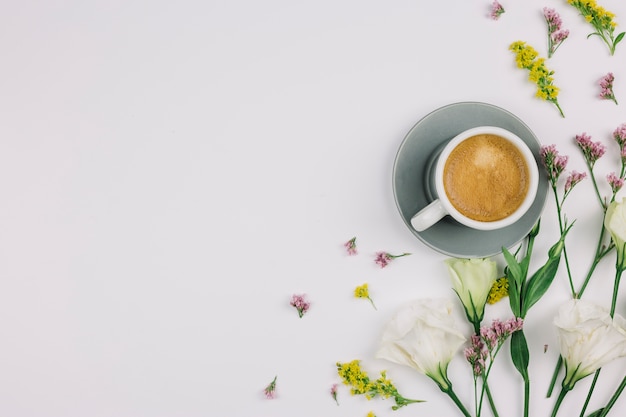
526	57
601	20
360	384
362	291
499	290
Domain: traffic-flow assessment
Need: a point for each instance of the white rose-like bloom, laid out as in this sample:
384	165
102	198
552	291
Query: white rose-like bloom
589	338
472	280
615	223
423	335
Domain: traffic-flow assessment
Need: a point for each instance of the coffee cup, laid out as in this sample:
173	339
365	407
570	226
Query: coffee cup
485	178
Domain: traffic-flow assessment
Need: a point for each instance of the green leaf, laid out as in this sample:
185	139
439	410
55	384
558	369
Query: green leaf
538	284
541	280
618	39
519	353
515	278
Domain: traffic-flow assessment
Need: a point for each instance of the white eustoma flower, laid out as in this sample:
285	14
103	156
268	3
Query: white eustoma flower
423	335
589	338
615	223
472	280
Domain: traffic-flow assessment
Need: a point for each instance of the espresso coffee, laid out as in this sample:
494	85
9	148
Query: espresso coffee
486	178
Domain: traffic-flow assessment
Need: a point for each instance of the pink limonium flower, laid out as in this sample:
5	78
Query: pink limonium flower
350	246
592	151
333	393
573	179
270	390
496	10
619	135
476	354
556	35
300	303
606	87
485	346
383	258
554	163
615	182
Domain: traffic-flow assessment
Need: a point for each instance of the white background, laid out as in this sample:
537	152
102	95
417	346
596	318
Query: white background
172	172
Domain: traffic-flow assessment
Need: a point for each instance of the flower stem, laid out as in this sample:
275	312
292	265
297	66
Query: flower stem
591	388
618	277
601	252
456	400
557	369
613	399
561	228
559	400
526	396
556	103
492	404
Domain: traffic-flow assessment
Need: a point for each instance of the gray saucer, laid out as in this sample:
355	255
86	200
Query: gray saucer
412	193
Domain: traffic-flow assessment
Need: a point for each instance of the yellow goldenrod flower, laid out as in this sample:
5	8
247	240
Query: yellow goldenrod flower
526	57
499	290
362	291
601	20
360	384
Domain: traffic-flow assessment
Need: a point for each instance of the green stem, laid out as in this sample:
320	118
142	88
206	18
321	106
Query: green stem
492	404
456	400
559	400
526	396
591	388
618	277
614	398
555	374
561	228
556	103
601	252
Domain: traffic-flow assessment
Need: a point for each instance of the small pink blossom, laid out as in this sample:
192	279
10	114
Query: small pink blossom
300	303
606	87
484	346
333	393
496	10
573	179
350	246
270	390
615	182
383	258
592	151
556	35
619	135
553	162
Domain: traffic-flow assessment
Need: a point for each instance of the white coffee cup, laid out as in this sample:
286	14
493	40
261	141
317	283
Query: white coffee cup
486	178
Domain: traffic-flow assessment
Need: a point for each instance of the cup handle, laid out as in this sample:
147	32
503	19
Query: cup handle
428	216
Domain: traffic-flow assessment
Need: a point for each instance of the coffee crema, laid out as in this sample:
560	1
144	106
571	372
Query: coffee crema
486	178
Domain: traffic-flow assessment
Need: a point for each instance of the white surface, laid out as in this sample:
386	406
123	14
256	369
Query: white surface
172	172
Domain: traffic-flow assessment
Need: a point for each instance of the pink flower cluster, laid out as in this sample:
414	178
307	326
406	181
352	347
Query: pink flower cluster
606	86
619	135
270	390
383	258
556	35
592	151
496	10
350	246
555	164
615	182
573	179
484	346
300	303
